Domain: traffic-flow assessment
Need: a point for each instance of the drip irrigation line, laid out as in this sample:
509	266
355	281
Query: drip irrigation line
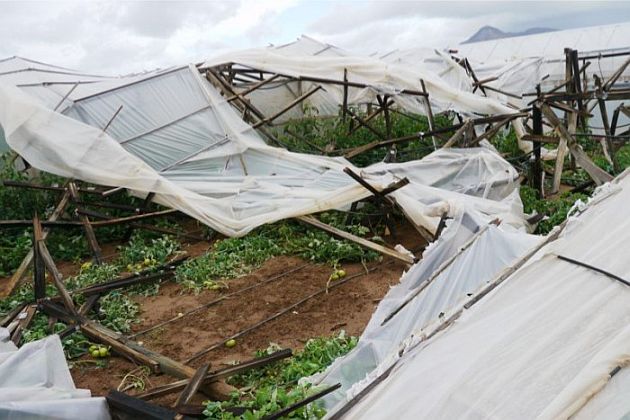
286	310
218	300
590	267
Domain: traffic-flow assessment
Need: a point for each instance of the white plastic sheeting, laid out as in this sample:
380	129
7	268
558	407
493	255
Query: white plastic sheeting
177	137
521	62
468	254
541	345
35	383
380	77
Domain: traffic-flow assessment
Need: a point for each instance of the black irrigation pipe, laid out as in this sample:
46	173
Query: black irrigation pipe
218	300
599	270
284	311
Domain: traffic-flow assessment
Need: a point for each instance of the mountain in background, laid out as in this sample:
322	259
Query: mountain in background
488	33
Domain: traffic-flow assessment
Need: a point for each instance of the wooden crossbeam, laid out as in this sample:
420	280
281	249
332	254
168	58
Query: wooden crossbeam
457	136
595	172
215	376
358	240
268	120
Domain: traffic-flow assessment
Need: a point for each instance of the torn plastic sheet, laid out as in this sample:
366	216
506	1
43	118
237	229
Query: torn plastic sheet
177	137
35	383
541	345
468	254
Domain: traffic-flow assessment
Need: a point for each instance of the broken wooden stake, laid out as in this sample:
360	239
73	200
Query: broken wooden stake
358	240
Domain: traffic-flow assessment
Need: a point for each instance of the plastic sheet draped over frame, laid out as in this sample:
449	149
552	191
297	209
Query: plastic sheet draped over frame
177	137
35	383
542	345
379	77
468	254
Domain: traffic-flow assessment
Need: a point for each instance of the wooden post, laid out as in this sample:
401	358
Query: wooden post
610	152
429	111
89	231
537	126
344	105
16	278
142	209
595	172
39	269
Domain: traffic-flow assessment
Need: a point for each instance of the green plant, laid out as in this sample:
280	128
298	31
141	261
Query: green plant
268	389
555	209
233	257
148	252
314	134
116	309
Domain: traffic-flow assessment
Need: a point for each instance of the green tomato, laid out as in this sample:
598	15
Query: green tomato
103	352
341	273
96	353
93	347
230	343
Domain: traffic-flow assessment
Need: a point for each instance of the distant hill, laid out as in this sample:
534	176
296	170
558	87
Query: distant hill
488	33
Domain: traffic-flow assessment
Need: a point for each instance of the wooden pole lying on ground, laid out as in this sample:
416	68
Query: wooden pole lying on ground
173	387
360	241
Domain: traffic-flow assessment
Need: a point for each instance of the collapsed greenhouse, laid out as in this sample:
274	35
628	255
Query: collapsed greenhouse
483	319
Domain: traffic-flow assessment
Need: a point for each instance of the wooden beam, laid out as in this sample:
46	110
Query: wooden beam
17	277
217	375
596	173
253	88
490	133
367	119
456	137
356	239
609	151
193	386
23	323
39	268
429	111
57	278
362	122
124	406
561	152
293	103
538	138
89	232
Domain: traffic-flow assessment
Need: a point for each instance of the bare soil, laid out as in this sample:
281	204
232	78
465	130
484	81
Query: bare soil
348	307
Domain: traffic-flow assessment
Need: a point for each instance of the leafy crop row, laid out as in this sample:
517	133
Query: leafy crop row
268	389
233	257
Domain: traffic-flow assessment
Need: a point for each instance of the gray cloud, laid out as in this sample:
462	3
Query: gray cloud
348	21
114	37
120	37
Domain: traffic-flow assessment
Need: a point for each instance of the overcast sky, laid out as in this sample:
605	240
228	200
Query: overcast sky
115	37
